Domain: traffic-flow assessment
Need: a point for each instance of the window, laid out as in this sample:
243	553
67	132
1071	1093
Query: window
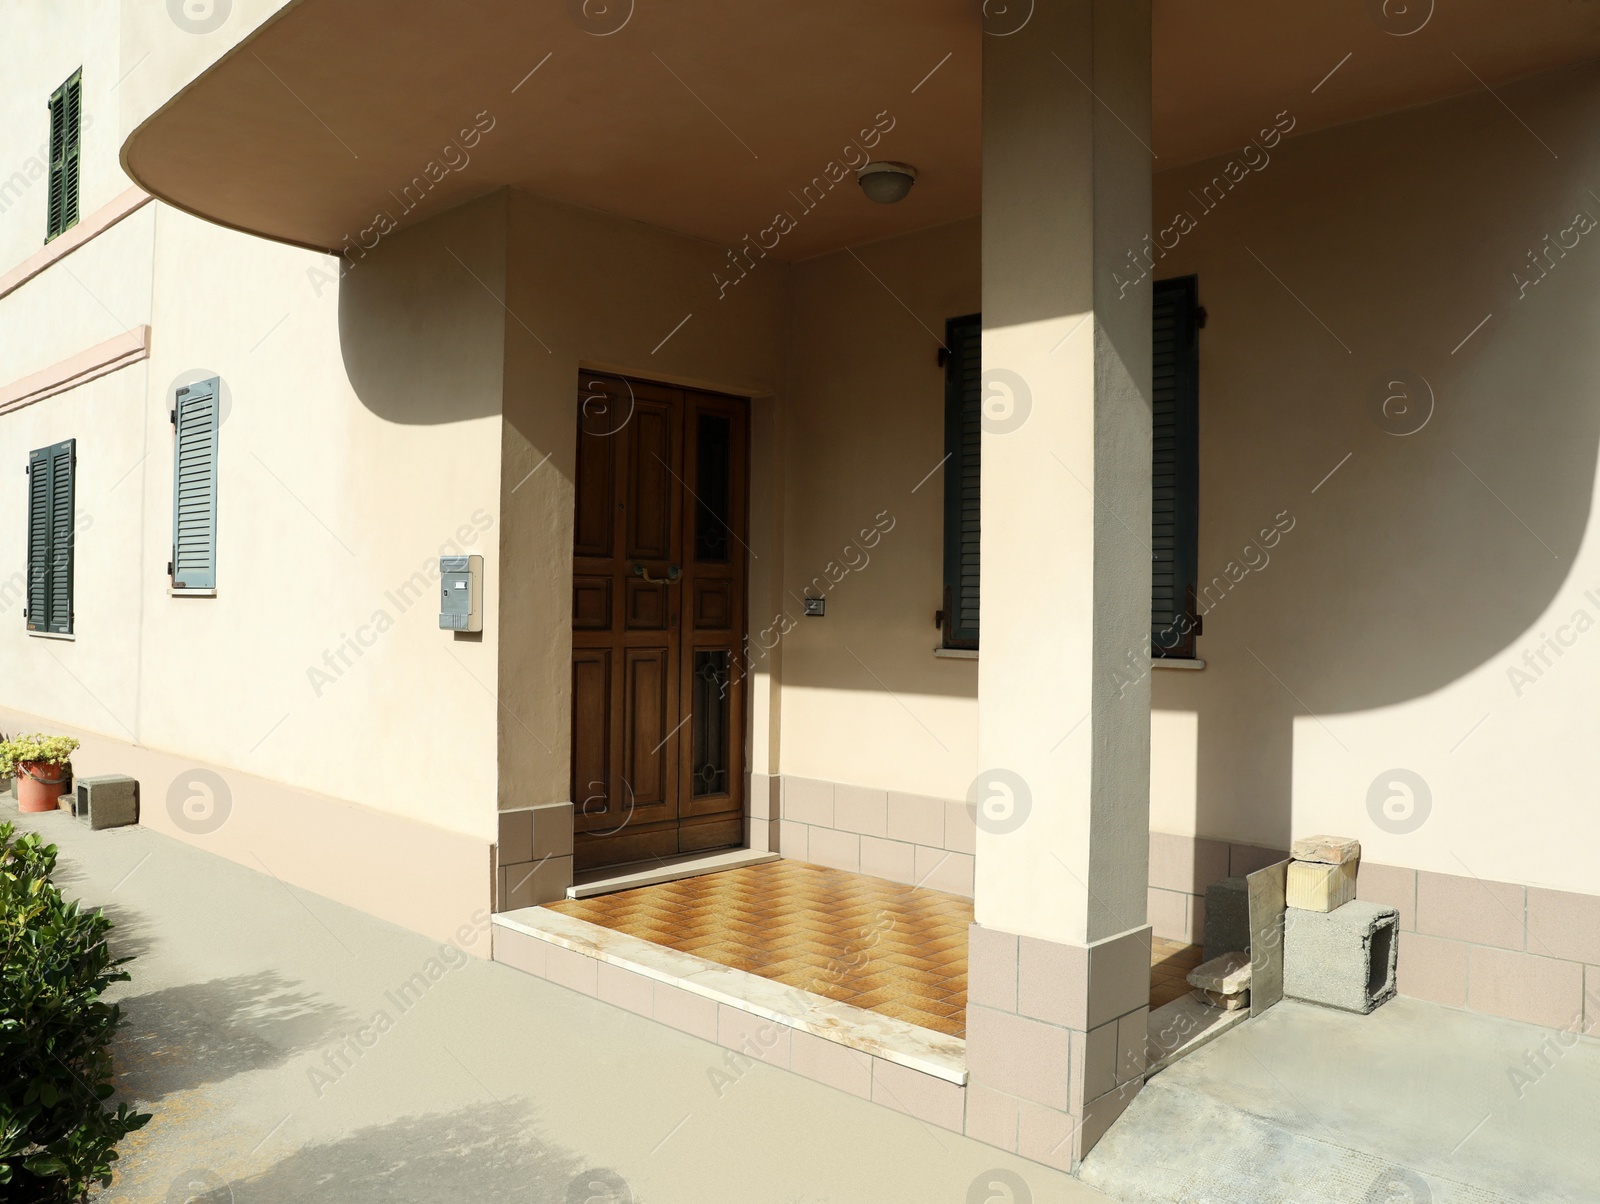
66	127
963	443
1175	468
1175	473
50	549
195	419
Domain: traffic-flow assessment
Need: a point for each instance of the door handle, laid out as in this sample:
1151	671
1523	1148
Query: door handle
673	573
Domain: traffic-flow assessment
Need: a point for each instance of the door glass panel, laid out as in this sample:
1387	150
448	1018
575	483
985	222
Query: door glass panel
713	440
710	729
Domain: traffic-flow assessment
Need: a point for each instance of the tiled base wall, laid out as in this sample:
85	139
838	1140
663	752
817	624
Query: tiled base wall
1518	952
902	837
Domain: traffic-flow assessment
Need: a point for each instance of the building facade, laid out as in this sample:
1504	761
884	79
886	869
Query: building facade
1294	355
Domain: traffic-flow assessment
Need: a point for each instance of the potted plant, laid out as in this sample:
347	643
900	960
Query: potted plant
42	765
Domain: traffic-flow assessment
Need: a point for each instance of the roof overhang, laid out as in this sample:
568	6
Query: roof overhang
710	116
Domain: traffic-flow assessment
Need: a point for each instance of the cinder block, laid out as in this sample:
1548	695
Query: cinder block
1342	959
1321	886
1227	917
107	801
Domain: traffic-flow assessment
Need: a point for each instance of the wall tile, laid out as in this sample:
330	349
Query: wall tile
1563	924
625	989
1053	982
1168	912
808	801
753	1036
960	830
1119	977
793	840
1520	986
920	1095
1470	909
1432	969
858	809
1046	1135
1018	1056
838	1066
1187	864
917	820
992	968
839	850
889	859
572	970
992	1117
689	1013
938	869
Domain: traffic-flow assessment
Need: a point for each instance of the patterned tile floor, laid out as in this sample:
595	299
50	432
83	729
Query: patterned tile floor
868	942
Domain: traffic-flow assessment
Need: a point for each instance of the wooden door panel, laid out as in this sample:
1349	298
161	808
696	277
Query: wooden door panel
656	671
591	739
652	486
645	707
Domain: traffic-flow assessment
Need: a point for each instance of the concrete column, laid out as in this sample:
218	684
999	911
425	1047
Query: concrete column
1059	974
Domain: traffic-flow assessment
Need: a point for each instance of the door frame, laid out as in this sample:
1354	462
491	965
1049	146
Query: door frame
740	717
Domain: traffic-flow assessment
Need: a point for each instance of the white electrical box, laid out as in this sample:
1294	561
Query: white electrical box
461	593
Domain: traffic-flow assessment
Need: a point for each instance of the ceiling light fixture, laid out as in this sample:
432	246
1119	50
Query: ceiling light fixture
886	183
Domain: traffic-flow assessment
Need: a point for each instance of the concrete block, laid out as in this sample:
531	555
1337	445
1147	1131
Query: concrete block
1342	959
1321	886
1227	926
1326	850
107	801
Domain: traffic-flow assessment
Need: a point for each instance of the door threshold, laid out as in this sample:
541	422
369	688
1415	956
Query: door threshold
608	881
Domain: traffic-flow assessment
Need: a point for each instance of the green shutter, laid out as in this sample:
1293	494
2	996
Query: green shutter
194	486
963	445
1175	468
66	154
50	537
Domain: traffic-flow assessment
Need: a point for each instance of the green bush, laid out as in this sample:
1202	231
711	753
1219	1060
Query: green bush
57	1137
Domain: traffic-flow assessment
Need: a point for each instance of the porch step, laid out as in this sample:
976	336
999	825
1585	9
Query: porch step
609	881
1179	1028
884	1038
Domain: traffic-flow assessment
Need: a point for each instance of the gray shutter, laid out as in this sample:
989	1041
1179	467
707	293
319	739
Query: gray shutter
963	443
1175	469
194	486
51	551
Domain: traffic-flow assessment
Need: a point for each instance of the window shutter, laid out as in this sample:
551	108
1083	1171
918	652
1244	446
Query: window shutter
194	486
66	126
1175	468
50	537
963	443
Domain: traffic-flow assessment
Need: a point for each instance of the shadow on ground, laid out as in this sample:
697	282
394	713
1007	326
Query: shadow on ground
205	1032
487	1152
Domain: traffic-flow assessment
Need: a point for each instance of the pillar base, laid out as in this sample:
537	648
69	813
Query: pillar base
1056	1040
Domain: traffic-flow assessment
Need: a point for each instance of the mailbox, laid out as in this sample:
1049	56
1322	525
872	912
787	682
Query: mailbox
461	593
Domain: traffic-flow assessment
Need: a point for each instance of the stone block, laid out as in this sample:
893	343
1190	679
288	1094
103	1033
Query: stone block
1326	850
1218	999
107	801
1228	974
1227	918
1321	886
1342	959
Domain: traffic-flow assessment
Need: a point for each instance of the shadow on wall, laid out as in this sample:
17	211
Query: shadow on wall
487	1152
207	1032
1438	473
421	324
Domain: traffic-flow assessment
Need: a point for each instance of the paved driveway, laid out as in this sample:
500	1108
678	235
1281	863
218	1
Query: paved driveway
293	1049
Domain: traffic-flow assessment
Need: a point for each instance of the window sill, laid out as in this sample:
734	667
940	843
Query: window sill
191	593
956	654
52	635
1176	662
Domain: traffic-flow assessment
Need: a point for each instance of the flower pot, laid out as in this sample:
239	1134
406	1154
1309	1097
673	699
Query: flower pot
39	785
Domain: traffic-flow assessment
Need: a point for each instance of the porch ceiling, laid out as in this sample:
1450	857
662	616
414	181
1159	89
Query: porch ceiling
707	118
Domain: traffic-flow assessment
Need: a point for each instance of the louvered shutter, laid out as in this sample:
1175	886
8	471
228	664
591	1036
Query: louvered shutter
194	486
1175	468
963	442
66	125
50	537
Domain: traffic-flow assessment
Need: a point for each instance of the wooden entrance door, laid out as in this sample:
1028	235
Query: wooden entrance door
658	621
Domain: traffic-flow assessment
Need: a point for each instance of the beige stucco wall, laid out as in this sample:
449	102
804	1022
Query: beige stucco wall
1378	633
864	699
604	293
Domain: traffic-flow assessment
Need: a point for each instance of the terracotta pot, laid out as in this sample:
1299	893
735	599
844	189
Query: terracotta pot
39	785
